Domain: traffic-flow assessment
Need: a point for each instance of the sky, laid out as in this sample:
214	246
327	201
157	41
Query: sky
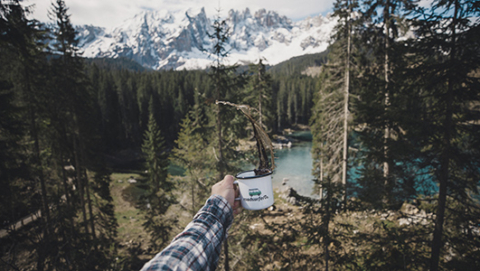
111	13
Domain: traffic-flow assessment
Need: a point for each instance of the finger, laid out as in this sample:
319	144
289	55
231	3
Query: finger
228	180
237	204
237	190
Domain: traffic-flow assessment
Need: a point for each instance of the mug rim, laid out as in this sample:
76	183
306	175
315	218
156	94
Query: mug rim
254	176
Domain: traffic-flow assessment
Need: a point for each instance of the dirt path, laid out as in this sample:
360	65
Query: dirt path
20	223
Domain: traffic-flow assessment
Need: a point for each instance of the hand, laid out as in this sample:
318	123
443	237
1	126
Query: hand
228	191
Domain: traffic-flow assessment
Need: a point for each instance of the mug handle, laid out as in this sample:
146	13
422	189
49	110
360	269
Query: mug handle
236	182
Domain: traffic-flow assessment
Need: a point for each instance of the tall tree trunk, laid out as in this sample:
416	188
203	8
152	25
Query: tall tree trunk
68	203
386	165
41	256
45	208
89	203
443	180
437	243
225	248
260	117
345	117
295	105
40	178
279	114
78	170
221	168
45	217
321	179
65	184
193	197
326	224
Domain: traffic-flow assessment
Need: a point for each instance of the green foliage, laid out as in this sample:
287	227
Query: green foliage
297	65
159	194
293	100
124	97
409	135
50	124
118	64
448	89
330	123
273	248
193	153
384	149
156	157
327	123
104	202
225	88
258	95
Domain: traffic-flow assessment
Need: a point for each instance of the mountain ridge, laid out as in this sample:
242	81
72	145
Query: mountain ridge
163	40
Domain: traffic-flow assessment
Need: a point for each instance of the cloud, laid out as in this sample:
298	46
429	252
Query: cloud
110	13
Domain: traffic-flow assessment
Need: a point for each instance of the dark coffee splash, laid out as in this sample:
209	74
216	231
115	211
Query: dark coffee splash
264	144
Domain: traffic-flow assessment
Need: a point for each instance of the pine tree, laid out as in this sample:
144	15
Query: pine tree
106	222
446	59
14	201
225	82
192	152
330	115
75	123
227	86
330	123
22	64
70	81
156	155
376	109
159	194
220	78
258	94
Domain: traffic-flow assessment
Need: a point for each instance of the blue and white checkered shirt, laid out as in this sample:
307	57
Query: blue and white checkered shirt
198	246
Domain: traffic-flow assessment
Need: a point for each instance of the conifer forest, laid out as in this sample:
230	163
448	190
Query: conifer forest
103	162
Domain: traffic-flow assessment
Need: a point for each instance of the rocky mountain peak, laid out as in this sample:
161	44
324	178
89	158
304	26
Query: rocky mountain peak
176	40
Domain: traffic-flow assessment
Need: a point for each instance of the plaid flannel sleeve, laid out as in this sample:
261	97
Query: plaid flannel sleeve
198	246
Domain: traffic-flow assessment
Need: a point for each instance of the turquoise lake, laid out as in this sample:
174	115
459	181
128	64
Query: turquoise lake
295	165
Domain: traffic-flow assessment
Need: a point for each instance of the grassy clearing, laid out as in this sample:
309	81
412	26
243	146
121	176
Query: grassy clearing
128	216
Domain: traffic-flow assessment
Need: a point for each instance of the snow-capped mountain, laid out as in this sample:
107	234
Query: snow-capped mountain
180	40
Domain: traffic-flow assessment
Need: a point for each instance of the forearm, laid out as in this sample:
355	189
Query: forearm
199	245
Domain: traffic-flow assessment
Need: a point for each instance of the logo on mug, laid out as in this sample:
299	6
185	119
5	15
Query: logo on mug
265	197
254	192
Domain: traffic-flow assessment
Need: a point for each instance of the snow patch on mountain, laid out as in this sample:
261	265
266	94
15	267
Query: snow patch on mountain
179	40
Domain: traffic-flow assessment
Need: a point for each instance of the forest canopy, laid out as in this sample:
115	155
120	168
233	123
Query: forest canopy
394	113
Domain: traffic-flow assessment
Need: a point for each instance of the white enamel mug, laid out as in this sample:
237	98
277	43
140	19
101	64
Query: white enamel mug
256	192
